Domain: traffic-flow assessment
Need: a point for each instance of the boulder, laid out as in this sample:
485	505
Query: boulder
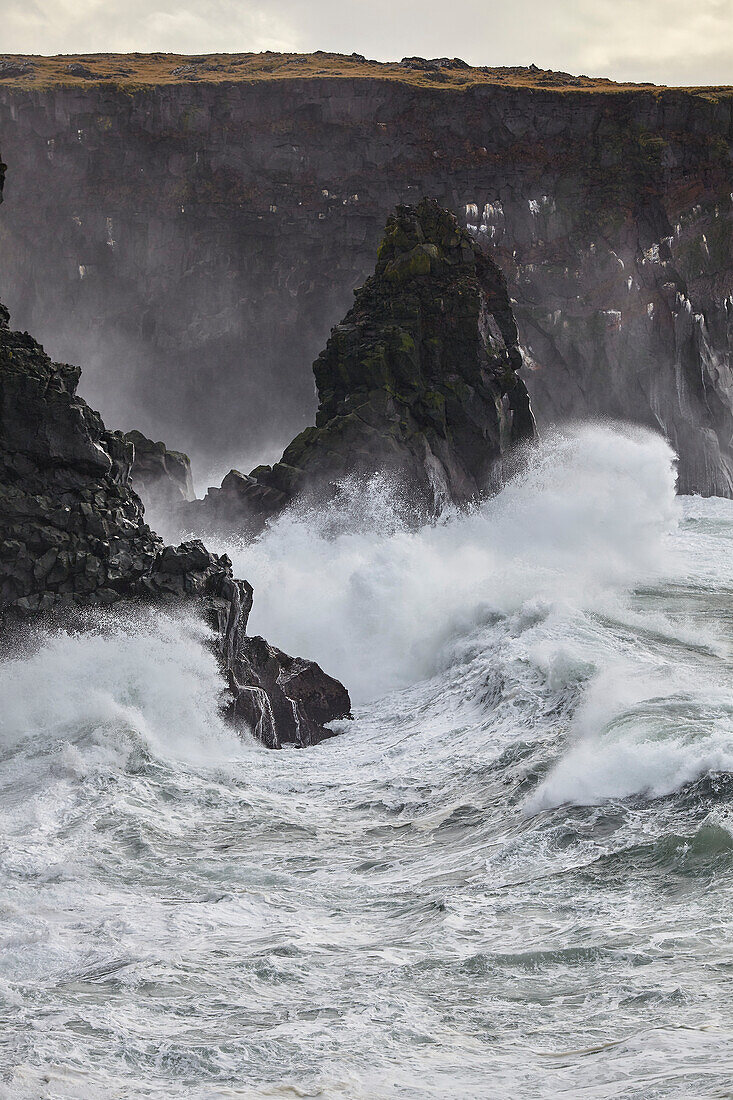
13	67
282	698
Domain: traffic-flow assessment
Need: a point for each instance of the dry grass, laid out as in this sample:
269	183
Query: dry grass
140	70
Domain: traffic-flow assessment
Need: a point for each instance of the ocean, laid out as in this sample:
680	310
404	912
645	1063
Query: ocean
510	876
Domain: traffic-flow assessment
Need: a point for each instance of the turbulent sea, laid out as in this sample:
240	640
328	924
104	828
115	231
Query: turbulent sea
511	876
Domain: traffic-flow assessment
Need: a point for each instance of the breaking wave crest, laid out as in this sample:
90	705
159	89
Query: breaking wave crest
376	602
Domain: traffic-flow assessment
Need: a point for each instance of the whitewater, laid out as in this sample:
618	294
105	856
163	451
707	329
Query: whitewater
510	876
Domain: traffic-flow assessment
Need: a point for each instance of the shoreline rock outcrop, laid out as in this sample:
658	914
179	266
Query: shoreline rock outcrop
418	381
73	536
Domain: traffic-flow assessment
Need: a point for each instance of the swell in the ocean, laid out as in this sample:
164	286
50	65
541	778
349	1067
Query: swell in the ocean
511	875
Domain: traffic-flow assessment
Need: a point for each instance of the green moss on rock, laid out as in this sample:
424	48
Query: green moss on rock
421	375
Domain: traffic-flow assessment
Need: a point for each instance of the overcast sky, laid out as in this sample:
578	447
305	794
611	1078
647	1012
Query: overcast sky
666	41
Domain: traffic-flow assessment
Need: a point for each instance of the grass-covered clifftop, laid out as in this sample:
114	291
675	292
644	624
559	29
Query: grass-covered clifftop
141	69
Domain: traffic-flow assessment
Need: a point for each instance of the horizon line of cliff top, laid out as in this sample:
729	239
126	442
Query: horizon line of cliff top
28	70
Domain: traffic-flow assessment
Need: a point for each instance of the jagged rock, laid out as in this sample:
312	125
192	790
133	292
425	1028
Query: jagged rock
72	535
240	505
162	478
76	69
419	380
284	698
434	64
72	528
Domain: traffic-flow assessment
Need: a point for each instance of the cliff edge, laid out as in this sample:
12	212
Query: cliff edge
210	216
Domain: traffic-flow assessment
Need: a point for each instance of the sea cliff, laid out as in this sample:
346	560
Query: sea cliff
205	220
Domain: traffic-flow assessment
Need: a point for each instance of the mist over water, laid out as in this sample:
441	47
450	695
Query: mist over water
174	371
375	602
510	875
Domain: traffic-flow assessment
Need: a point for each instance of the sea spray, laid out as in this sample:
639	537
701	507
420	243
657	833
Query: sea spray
152	674
376	602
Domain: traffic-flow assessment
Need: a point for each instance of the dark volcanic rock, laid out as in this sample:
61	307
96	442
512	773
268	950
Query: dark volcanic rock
284	698
419	380
83	71
435	64
11	67
72	529
162	478
72	535
240	505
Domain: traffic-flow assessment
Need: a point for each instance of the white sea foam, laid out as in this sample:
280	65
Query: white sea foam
145	678
375	602
642	732
483	879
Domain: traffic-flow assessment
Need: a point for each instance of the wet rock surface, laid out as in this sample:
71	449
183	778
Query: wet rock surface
419	381
161	477
284	699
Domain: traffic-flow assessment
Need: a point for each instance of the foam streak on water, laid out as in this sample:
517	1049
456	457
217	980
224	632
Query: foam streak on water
511	875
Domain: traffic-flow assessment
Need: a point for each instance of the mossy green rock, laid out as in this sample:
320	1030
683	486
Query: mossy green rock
421	375
419	381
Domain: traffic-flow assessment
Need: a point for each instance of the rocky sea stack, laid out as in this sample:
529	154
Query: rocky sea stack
419	381
161	476
607	206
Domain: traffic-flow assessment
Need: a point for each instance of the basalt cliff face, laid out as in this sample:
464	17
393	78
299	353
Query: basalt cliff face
205	226
73	537
418	383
